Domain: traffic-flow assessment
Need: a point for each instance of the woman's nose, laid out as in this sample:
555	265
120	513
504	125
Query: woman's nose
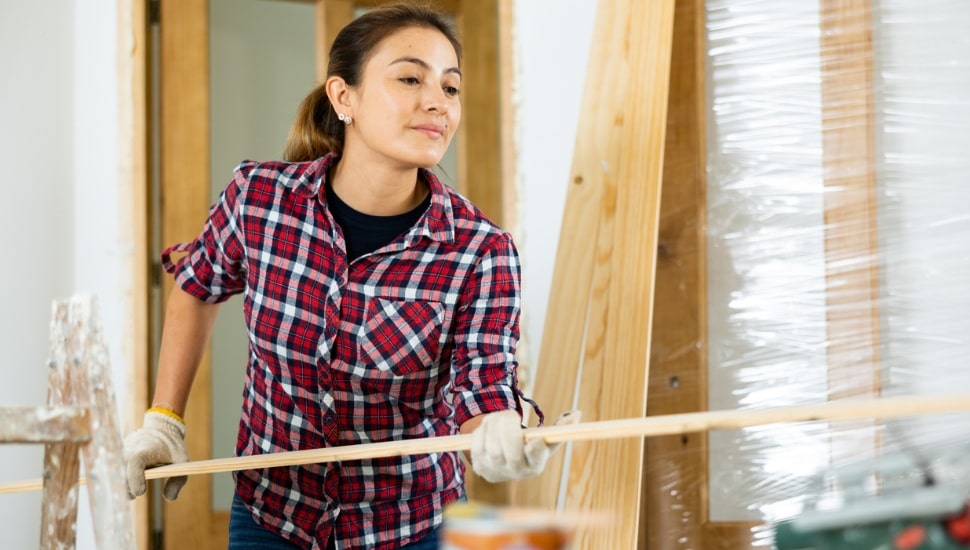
435	100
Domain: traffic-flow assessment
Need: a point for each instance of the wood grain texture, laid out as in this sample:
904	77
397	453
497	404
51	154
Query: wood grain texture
674	510
479	136
622	428
596	341
133	142
185	197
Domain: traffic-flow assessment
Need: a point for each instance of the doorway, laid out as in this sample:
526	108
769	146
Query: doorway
211	115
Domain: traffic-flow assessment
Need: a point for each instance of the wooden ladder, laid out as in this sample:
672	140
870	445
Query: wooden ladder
79	420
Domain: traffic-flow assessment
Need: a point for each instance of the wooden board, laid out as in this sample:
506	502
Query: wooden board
597	333
185	196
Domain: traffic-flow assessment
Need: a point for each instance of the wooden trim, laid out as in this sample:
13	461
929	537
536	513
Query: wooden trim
133	131
508	184
185	183
600	317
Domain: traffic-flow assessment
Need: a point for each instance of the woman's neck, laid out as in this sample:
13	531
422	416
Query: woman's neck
376	190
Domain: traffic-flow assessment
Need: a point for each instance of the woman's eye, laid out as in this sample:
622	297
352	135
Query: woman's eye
452	91
409	80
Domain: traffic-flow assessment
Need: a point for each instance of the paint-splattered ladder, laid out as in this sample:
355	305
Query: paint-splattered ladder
80	420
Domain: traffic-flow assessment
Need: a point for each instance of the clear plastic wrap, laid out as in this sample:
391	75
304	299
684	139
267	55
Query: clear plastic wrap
838	246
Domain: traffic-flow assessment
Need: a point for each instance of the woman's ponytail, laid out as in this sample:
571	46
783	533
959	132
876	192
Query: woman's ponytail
316	130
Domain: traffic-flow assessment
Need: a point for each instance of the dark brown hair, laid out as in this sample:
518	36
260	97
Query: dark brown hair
317	131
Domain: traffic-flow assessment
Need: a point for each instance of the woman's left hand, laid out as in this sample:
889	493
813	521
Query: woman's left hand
499	452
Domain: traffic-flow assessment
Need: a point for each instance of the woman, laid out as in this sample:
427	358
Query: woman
380	305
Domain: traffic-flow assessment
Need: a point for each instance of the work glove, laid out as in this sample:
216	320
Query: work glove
159	441
499	452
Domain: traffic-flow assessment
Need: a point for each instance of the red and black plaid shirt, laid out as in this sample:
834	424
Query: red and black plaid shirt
407	342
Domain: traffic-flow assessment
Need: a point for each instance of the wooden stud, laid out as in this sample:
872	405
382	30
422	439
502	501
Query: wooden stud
185	195
479	140
674	511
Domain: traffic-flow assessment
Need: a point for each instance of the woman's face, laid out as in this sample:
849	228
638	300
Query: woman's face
406	108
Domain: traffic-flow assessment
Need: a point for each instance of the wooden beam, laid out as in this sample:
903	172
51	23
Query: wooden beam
596	340
675	467
185	138
479	142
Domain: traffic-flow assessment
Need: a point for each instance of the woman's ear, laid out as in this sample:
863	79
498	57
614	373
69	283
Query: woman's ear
339	94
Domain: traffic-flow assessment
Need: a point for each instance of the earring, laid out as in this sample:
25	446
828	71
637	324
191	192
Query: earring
344	118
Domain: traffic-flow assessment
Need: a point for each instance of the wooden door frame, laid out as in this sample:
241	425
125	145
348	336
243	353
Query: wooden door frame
185	197
133	143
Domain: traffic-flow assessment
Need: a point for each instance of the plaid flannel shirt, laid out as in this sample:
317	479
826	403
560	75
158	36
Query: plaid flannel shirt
407	342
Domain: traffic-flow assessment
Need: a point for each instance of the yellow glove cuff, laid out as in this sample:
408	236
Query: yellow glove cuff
167	412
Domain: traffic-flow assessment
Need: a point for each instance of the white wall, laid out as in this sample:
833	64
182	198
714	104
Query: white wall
58	147
550	77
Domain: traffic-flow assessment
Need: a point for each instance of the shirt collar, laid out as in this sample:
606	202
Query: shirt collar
437	223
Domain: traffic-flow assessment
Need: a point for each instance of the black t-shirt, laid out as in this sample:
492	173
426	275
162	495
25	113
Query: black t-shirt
364	233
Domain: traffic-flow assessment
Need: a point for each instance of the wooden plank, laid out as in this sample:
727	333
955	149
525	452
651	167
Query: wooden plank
44	425
637	427
133	143
598	325
851	240
185	197
674	509
621	428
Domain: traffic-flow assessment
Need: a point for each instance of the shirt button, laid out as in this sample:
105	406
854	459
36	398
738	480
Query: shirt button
328	419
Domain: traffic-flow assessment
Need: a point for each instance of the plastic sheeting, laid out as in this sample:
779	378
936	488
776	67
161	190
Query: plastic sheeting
779	270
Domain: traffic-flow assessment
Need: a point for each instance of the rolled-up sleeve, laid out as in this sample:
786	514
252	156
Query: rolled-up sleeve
213	267
487	333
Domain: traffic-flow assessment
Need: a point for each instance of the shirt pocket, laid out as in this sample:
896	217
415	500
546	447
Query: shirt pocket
401	336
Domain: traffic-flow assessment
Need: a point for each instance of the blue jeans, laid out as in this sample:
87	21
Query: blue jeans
246	534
